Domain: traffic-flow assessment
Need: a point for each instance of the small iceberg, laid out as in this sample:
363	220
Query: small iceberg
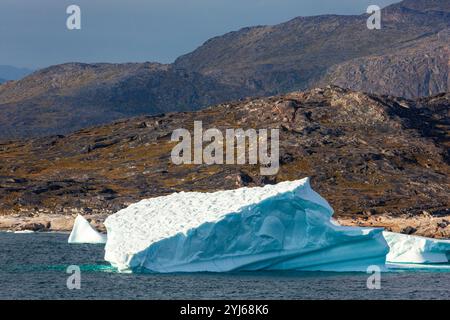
287	226
83	232
407	249
24	231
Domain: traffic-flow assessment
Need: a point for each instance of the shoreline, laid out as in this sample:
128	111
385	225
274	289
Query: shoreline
48	223
420	225
423	225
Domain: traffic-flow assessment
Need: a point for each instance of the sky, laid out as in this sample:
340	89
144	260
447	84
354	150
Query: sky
33	33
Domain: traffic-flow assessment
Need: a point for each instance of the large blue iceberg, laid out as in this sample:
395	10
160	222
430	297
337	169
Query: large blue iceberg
287	226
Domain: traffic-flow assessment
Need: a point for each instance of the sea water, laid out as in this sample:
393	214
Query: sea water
33	266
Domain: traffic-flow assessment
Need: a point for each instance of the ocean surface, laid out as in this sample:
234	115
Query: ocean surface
33	266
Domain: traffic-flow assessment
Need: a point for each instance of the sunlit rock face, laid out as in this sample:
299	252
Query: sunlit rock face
287	226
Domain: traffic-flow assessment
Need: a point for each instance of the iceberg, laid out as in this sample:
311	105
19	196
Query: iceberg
82	232
407	249
287	226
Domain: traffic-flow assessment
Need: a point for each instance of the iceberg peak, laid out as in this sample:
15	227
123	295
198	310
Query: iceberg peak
83	232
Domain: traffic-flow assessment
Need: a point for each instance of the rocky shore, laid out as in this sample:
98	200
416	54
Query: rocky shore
47	222
423	225
420	225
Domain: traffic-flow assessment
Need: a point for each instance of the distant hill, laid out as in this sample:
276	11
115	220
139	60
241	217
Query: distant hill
2	80
13	73
408	57
67	97
305	51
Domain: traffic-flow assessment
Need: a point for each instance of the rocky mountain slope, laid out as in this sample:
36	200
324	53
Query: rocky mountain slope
375	158
68	97
407	57
417	68
301	53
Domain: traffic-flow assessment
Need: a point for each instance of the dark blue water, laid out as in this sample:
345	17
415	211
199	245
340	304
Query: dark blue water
33	266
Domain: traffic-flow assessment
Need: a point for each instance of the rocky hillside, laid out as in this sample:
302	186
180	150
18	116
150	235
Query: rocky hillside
371	156
417	68
407	57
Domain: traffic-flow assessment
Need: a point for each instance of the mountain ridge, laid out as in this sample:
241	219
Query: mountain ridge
407	57
100	93
400	23
13	73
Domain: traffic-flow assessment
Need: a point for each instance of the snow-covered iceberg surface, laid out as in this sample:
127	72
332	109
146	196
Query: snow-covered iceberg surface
82	232
286	226
416	250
